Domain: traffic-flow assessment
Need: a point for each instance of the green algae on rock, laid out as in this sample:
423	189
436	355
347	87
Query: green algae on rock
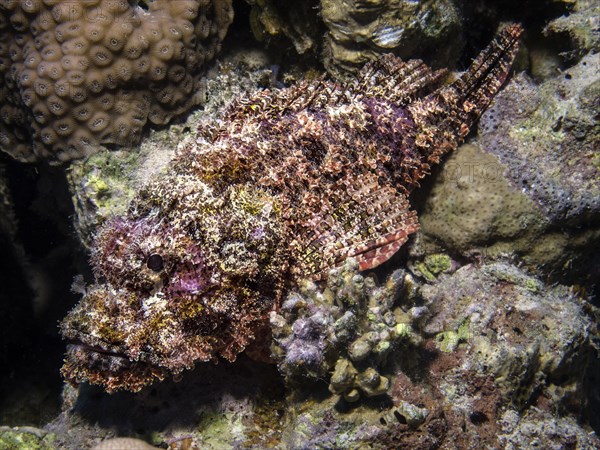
433	265
101	187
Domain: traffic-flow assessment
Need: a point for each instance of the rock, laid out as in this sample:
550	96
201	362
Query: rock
580	27
297	21
413	415
528	186
359	32
541	429
545	342
548	137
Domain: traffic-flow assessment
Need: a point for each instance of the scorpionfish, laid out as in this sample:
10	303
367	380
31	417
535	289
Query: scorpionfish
285	186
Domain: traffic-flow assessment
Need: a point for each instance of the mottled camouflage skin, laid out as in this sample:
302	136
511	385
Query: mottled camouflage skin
286	186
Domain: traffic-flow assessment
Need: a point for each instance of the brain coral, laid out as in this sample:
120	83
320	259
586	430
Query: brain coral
75	74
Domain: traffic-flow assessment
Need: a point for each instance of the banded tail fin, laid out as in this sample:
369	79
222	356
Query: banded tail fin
445	117
476	89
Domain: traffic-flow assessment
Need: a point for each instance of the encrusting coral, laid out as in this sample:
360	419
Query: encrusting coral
76	74
502	360
286	187
529	186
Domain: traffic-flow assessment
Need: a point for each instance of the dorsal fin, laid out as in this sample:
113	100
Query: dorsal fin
387	77
397	81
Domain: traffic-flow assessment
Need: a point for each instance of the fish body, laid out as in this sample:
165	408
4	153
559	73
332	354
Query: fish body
285	187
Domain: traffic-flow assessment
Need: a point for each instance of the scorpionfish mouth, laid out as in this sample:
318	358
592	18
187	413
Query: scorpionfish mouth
109	342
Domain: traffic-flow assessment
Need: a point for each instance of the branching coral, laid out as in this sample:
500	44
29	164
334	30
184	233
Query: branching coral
345	333
75	74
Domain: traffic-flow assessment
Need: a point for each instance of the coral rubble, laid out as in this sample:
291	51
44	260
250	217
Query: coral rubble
487	342
123	444
76	74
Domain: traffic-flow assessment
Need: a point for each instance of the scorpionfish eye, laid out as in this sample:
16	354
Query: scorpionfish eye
155	262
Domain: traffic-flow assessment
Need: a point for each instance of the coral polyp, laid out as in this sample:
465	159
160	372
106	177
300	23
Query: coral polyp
287	186
343	334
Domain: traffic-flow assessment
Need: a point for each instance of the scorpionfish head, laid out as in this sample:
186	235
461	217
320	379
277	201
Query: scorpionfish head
188	275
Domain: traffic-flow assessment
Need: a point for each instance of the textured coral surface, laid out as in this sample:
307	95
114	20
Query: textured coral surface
76	74
344	334
529	186
492	340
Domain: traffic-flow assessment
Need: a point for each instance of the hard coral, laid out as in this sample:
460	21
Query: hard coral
76	74
361	31
343	334
529	186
